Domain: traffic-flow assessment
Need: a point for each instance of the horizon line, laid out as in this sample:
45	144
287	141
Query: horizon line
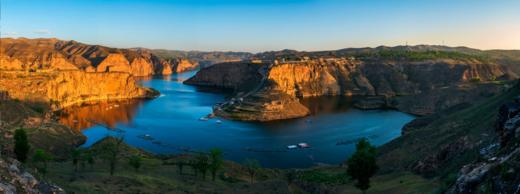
291	49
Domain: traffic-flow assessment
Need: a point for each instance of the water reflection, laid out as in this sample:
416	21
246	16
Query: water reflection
327	104
107	113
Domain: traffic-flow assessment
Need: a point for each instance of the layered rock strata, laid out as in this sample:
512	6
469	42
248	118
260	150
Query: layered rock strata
64	88
393	84
53	54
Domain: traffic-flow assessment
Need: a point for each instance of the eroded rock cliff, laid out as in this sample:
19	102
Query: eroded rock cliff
53	54
64	88
183	65
231	75
439	83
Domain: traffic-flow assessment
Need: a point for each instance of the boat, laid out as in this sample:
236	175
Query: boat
219	121
292	147
146	137
203	119
304	145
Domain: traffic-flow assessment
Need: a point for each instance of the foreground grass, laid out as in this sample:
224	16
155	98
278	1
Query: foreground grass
156	177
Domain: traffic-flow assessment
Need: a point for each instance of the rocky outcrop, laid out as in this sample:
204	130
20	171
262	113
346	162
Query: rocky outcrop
6	63
264	105
13	179
32	54
508	122
141	67
53	54
430	164
440	83
61	89
499	171
183	65
234	75
114	63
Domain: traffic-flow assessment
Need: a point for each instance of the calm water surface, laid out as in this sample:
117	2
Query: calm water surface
172	123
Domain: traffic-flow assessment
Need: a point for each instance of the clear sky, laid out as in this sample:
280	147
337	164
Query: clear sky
261	25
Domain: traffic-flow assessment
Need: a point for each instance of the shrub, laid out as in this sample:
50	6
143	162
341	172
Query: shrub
21	145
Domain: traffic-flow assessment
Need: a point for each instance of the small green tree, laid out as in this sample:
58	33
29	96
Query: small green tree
110	151
87	157
202	164
193	164
180	164
135	161
217	161
362	164
76	157
21	145
40	160
252	167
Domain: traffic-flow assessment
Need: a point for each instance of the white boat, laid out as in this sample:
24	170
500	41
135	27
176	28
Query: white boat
292	147
219	121
304	145
203	119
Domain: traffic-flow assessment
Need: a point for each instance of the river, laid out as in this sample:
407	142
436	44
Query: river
170	124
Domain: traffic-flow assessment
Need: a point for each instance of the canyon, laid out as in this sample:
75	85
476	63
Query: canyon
455	91
419	87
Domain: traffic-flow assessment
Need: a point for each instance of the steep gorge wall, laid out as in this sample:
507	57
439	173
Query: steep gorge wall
230	75
53	54
65	88
344	77
396	84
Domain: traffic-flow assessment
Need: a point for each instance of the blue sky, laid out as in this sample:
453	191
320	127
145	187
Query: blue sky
261	25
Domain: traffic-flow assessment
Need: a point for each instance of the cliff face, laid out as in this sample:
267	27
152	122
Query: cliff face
141	67
232	75
440	83
182	65
54	54
114	63
65	88
353	77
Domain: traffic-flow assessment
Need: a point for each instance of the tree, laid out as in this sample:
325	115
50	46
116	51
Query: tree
252	167
180	164
202	164
110	150
217	161
21	145
40	158
76	157
135	161
362	164
87	157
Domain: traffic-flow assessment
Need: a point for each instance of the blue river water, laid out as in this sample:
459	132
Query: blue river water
170	124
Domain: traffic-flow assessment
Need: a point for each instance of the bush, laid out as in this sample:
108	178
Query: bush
21	145
475	79
40	159
135	162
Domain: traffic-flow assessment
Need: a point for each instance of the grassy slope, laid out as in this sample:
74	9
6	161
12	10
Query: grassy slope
475	122
157	177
